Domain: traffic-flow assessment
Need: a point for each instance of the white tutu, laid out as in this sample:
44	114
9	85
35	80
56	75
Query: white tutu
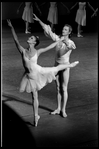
37	77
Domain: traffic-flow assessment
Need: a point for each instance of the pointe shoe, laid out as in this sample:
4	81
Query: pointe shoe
55	112
74	64
27	32
37	117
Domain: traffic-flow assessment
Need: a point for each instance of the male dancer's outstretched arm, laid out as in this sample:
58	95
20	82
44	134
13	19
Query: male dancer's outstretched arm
47	29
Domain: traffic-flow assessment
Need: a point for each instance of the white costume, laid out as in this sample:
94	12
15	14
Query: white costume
63	46
36	77
27	13
81	14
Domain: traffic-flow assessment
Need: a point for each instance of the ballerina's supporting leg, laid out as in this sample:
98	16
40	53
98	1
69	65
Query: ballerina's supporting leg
35	107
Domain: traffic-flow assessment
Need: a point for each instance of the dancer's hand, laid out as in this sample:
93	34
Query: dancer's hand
35	17
9	23
64	41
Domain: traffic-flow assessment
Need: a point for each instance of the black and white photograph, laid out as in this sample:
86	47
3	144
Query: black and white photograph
49	74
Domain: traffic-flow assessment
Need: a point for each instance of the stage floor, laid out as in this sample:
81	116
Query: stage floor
80	127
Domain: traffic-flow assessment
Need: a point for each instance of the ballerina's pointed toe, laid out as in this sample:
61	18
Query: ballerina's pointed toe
37	117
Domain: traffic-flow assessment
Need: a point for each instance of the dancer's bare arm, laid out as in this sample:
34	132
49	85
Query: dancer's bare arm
38	8
65	7
20	48
42	4
48	48
19	7
73	5
47	29
95	13
91	7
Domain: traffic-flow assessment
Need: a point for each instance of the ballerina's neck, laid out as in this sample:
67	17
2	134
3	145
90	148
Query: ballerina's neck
32	51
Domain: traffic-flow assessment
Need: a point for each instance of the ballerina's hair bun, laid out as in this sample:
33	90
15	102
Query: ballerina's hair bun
37	40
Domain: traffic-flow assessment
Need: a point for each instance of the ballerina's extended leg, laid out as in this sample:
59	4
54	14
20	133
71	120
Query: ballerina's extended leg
64	66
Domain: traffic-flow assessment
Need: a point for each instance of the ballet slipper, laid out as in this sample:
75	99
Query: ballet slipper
27	32
37	117
55	112
64	114
79	35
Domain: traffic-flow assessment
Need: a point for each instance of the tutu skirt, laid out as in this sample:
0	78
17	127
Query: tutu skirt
31	82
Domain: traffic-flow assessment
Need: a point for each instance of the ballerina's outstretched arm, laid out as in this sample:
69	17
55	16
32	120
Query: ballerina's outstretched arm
20	48
42	50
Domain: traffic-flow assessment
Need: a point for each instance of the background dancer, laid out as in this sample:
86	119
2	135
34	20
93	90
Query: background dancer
27	14
81	16
53	14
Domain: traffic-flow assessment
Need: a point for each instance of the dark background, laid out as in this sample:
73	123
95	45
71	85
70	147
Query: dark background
9	11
